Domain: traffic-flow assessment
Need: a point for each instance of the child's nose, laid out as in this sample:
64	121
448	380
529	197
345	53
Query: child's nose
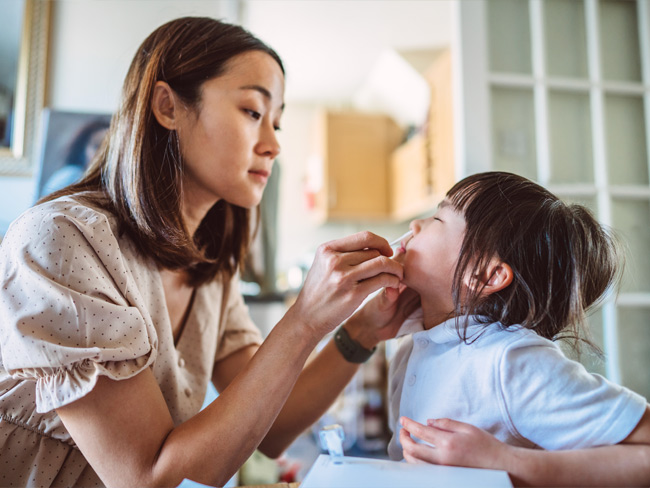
416	226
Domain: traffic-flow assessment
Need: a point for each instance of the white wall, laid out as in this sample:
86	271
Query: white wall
93	43
16	195
329	46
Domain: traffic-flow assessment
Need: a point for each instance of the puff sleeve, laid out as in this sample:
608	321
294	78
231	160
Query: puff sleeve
69	309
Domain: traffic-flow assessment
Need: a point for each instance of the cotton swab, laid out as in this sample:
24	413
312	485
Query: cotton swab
398	241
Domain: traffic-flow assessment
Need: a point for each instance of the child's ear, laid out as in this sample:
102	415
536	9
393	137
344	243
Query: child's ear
496	276
164	106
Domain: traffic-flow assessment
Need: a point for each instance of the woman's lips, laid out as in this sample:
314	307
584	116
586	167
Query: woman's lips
260	173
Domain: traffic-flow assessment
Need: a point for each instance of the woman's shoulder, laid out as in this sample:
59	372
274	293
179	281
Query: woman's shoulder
70	222
83	206
79	210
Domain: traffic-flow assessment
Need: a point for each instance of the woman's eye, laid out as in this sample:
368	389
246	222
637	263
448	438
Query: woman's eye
255	115
277	128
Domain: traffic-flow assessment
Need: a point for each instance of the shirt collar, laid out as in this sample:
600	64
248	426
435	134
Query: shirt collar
413	323
441	333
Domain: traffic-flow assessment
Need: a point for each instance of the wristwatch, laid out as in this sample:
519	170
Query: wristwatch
351	350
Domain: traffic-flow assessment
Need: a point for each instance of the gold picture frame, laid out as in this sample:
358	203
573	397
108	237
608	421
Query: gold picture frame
19	159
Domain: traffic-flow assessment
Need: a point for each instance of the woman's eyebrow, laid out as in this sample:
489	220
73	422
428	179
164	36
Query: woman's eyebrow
260	89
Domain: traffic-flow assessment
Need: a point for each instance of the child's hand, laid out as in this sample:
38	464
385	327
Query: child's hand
456	444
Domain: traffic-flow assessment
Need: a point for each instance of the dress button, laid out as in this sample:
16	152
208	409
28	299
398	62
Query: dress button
423	342
188	392
411	380
181	362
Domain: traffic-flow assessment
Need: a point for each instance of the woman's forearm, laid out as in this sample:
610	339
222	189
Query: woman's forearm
624	464
232	427
618	465
317	388
125	431
461	444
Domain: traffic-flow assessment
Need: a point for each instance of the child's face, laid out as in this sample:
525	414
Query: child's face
431	255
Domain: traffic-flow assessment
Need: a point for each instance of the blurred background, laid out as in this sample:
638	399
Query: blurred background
388	103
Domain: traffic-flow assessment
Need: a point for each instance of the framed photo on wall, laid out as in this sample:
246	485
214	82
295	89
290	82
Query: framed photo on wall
70	139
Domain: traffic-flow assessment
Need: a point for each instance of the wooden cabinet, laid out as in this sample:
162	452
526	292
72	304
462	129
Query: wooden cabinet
422	169
359	170
411	180
353	151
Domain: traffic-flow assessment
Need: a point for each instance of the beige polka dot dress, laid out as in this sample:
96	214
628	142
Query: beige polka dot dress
77	301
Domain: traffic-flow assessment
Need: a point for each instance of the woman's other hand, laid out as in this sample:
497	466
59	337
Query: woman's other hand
456	444
380	318
345	271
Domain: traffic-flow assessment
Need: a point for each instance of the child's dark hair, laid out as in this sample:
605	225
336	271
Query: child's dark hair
563	260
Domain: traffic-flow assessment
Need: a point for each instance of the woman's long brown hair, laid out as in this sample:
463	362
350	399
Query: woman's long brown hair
138	168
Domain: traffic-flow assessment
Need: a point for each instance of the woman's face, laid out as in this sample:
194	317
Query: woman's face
431	255
229	143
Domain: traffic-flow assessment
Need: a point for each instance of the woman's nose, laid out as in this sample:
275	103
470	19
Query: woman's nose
268	144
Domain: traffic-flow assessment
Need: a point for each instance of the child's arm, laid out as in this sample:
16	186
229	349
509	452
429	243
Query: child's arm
461	444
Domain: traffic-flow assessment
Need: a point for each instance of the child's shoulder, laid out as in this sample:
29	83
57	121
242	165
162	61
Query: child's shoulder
519	349
505	340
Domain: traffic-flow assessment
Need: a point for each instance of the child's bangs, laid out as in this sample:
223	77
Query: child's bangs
461	195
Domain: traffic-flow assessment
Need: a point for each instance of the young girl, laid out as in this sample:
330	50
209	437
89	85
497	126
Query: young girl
503	269
119	299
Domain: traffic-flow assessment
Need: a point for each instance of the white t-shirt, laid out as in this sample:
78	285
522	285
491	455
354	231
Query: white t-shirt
512	383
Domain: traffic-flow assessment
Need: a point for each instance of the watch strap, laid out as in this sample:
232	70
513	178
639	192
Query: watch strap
351	350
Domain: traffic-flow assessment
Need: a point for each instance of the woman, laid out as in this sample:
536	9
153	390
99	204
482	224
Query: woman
120	294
